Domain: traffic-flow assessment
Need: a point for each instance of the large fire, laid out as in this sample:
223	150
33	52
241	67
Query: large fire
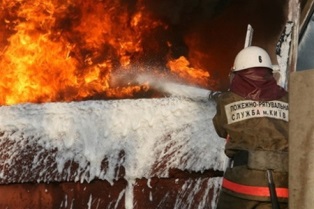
70	50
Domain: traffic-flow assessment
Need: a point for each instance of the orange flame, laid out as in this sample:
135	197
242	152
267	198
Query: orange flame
181	67
67	50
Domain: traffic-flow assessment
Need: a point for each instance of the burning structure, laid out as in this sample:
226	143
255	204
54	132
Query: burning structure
82	50
88	119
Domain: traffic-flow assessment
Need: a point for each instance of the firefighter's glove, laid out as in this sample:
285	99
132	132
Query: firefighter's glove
213	95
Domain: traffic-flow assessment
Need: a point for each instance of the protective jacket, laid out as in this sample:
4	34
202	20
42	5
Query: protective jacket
253	117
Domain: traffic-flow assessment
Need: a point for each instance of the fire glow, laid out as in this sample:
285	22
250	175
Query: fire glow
54	50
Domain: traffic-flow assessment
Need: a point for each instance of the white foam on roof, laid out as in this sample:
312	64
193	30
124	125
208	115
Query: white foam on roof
166	133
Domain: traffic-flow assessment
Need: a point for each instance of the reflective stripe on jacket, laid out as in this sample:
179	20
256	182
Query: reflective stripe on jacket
259	191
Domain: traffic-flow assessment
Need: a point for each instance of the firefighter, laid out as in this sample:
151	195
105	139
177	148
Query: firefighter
253	118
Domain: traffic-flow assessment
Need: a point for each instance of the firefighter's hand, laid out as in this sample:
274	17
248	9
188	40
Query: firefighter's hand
213	95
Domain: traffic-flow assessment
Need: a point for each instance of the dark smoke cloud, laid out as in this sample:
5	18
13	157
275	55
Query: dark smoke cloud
179	12
219	28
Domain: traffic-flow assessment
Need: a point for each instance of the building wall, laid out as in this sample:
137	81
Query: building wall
301	140
181	190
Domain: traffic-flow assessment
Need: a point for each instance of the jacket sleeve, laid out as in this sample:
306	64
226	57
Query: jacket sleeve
219	119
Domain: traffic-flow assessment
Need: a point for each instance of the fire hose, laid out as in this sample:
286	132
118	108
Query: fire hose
272	190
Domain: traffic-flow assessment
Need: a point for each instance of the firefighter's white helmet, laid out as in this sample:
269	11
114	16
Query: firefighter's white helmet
251	56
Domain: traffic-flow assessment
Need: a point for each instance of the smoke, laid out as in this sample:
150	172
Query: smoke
182	12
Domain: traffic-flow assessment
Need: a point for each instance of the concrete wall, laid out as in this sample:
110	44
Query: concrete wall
301	140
